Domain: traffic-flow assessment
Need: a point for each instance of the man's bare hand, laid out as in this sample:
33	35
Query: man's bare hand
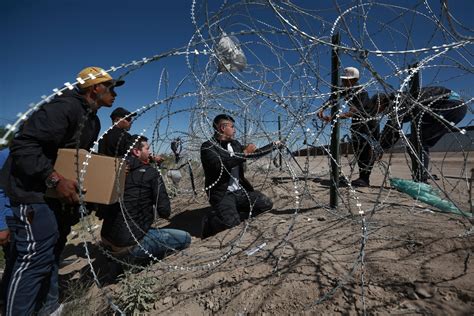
4	237
158	159
250	149
324	117
279	144
320	114
67	191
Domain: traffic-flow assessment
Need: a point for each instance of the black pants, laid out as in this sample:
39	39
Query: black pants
362	136
233	208
431	131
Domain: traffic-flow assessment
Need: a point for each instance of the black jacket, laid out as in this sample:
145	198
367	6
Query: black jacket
116	142
358	98
65	122
215	157
439	100
144	188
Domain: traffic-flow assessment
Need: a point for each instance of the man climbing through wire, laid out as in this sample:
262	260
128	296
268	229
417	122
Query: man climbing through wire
434	112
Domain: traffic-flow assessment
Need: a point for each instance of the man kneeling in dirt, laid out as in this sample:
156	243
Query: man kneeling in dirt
231	195
124	227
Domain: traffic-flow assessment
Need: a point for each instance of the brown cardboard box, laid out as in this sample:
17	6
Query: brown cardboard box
101	176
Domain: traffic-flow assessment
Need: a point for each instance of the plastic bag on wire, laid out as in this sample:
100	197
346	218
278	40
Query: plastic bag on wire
175	176
230	56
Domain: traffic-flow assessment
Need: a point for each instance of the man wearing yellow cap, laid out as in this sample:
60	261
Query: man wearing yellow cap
40	225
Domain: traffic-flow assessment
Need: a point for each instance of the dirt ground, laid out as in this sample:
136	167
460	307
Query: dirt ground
379	252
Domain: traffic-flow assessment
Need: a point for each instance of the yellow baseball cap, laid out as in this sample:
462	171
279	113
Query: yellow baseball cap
93	75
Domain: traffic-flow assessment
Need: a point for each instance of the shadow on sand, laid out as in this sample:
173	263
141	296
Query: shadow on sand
190	221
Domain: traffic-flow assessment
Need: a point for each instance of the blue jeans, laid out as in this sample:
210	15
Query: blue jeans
160	243
33	286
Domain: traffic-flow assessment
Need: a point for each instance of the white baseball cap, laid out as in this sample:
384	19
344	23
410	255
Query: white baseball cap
350	73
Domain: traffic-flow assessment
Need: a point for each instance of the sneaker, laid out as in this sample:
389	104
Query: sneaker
360	183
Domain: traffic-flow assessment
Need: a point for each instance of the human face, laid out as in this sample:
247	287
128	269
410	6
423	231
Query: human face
144	153
226	130
348	83
124	123
105	94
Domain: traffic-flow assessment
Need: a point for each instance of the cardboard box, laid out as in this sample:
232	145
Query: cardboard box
102	174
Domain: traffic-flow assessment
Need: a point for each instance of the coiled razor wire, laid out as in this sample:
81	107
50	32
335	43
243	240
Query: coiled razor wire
284	78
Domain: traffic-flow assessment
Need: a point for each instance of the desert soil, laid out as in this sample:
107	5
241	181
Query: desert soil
380	251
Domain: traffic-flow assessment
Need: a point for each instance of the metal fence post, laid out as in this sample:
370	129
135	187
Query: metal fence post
417	157
334	150
471	202
279	138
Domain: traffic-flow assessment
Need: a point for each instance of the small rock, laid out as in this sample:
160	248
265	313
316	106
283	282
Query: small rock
424	290
185	285
407	305
411	294
167	300
445	295
209	304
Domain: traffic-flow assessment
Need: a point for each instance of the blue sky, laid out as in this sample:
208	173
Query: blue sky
45	43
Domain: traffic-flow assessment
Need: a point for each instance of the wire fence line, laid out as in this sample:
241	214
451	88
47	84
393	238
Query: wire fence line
264	60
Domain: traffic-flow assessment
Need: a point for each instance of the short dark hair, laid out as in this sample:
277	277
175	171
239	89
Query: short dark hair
219	118
139	139
83	91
